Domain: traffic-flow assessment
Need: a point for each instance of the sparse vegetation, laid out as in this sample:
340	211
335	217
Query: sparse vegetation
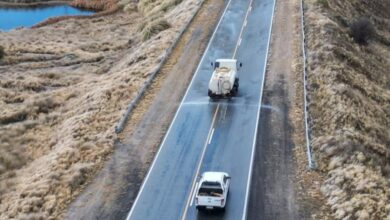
349	105
362	30
323	3
153	28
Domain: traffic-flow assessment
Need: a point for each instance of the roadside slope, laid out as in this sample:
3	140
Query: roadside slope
349	106
62	89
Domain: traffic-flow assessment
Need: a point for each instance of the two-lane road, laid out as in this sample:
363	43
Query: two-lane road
218	136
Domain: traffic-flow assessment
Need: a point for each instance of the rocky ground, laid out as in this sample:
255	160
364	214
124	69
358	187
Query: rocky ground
63	87
349	106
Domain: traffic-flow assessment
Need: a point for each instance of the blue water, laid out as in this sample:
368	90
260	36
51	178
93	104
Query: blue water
11	18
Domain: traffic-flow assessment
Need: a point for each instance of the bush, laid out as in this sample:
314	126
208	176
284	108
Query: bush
362	30
2	53
168	5
154	28
323	3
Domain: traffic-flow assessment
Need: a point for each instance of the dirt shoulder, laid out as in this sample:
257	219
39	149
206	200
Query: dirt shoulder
63	87
112	193
282	187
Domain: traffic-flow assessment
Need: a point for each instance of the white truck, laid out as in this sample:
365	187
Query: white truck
212	191
224	81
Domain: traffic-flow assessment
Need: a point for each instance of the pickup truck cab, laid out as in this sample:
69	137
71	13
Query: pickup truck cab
212	191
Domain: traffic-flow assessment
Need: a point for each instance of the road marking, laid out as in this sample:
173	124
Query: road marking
177	112
242	28
257	120
223	115
200	164
193	195
211	137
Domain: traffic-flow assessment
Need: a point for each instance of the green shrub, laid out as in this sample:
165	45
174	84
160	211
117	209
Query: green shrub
323	3
153	28
362	30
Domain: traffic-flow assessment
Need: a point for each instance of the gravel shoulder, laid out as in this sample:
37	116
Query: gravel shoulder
282	187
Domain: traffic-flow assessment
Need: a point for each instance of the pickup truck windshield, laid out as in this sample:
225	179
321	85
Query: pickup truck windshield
210	189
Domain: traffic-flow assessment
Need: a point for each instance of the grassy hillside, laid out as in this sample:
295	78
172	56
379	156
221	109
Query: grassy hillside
350	105
63	88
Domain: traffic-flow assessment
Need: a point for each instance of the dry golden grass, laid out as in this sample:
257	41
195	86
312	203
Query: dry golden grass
98	5
154	28
349	106
63	87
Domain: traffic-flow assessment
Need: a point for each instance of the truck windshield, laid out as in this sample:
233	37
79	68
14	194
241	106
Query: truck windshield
210	189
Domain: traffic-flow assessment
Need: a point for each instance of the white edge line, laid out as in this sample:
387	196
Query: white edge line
257	120
193	194
211	136
177	112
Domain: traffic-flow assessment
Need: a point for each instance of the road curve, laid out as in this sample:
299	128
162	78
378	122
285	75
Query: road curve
217	136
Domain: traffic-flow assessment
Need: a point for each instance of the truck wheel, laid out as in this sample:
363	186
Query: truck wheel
236	82
234	90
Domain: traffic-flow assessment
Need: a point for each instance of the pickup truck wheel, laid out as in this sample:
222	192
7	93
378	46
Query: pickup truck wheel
236	82
234	90
199	208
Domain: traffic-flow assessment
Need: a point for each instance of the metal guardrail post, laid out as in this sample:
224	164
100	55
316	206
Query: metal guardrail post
310	157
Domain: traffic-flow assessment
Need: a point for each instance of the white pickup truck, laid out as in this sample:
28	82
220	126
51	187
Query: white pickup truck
212	191
224	81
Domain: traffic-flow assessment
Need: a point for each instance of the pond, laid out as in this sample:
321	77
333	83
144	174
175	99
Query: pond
11	18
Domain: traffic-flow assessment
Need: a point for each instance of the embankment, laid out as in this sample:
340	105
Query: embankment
63	87
350	105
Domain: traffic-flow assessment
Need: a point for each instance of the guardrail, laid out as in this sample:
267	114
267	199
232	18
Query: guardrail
121	124
310	157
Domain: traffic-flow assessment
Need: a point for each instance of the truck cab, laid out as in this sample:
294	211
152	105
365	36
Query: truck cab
212	191
224	81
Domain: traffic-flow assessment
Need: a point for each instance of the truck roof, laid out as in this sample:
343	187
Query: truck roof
213	176
226	60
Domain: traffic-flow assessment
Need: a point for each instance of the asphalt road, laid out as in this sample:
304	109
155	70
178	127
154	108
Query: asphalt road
213	136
